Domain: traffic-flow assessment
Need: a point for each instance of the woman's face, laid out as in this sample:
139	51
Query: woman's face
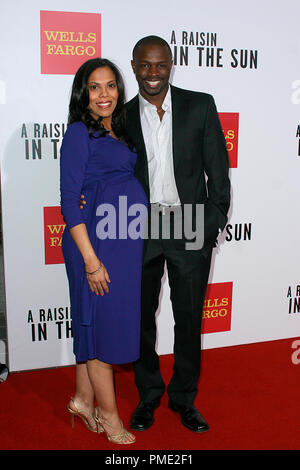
103	94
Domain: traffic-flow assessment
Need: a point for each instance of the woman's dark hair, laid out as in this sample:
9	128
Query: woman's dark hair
78	107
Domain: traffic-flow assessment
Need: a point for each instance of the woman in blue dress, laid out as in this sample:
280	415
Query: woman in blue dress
103	262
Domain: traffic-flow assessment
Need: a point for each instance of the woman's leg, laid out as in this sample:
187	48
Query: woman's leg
83	399
102	380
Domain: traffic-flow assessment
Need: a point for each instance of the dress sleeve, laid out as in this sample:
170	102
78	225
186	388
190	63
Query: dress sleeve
74	154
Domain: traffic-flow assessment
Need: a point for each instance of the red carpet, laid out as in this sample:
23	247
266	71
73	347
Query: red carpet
248	394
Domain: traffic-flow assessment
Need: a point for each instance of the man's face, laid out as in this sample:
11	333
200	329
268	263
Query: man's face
152	67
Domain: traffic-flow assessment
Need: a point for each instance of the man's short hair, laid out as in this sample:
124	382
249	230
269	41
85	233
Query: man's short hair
155	40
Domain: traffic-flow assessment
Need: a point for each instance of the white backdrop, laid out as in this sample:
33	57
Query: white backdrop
261	264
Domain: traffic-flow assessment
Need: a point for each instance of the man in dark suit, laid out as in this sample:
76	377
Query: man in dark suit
182	160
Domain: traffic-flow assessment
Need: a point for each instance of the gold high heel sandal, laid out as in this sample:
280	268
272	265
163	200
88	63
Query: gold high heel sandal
83	415
116	438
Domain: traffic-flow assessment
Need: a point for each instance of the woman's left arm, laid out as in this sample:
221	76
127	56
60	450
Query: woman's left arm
75	151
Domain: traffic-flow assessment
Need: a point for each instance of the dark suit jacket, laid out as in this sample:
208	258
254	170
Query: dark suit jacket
199	153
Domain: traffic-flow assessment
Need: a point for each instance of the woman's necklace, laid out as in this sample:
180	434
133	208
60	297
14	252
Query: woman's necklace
111	133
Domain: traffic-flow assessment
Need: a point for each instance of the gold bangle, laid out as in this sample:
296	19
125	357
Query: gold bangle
94	272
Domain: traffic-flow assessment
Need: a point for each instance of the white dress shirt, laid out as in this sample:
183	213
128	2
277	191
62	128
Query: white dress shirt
158	141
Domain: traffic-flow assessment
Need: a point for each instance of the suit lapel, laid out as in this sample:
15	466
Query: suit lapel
179	119
135	130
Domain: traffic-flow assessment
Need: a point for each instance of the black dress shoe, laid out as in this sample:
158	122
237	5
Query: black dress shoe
142	418
190	417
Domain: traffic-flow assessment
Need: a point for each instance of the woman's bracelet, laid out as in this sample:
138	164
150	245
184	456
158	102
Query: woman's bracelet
98	269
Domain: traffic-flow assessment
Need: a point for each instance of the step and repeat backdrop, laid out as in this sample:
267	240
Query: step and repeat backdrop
247	56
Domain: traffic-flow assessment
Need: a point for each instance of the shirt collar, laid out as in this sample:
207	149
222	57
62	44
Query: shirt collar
165	106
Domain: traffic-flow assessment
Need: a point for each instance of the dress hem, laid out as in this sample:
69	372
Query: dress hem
83	361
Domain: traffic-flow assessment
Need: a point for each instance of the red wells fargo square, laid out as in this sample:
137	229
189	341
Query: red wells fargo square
217	308
54	226
230	126
68	39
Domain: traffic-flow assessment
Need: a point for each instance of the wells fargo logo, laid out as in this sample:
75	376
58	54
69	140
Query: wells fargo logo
54	226
68	40
217	308
230	126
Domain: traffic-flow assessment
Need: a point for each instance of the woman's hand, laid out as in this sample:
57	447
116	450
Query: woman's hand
97	277
96	272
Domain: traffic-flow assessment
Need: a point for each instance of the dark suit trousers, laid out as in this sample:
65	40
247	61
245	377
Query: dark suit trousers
188	273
